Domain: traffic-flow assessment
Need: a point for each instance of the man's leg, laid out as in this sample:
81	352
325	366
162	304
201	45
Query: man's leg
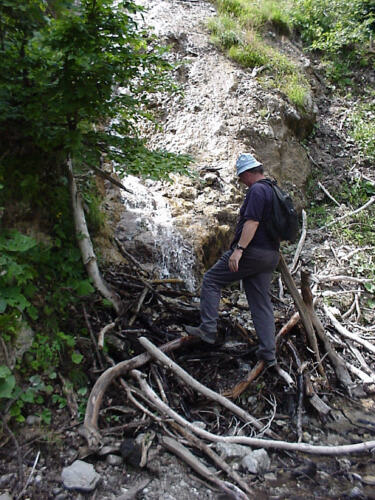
257	293
213	281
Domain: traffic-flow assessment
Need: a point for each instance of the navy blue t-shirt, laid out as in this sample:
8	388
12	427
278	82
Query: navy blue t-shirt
257	206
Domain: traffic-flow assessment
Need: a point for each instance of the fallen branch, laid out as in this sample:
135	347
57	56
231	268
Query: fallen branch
301	306
328	194
183	453
350	214
188	379
341	329
90	430
300	243
351	279
366	446
337	362
139	305
198	443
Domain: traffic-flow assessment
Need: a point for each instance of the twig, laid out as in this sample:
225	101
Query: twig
300	243
30	476
92	336
127	255
366	446
139	305
328	194
350	214
102	333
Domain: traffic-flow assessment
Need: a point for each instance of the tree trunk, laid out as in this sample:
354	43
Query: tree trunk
85	244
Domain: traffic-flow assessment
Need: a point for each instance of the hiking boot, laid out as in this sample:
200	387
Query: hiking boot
196	331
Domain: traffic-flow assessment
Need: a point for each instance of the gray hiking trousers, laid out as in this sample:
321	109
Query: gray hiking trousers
255	269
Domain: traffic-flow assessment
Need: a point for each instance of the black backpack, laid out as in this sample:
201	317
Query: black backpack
283	223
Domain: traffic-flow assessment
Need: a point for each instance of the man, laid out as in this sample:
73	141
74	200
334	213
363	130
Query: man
252	258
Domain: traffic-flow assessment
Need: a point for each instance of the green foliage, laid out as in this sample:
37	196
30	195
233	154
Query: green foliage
339	29
363	129
74	82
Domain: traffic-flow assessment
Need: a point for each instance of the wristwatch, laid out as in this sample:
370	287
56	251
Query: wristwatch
238	247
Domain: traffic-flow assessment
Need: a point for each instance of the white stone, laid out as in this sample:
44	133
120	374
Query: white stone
257	462
80	476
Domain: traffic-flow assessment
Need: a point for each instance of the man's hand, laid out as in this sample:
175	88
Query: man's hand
234	260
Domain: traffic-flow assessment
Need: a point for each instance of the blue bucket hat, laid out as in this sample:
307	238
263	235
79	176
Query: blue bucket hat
246	161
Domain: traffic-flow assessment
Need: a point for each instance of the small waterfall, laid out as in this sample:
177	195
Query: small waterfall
174	256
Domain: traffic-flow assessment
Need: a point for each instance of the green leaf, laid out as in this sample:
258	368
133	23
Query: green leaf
4	371
77	357
6	386
83	288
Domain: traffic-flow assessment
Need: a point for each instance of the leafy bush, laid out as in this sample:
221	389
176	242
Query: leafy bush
340	29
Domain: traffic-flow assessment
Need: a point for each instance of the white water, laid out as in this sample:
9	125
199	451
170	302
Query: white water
174	256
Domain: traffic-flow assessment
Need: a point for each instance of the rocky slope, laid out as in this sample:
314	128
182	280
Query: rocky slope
223	111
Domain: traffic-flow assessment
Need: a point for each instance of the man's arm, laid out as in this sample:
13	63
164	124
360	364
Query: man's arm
247	235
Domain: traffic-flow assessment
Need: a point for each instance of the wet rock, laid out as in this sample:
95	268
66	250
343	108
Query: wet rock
257	462
80	476
232	450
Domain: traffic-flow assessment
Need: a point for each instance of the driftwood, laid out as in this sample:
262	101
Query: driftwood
366	446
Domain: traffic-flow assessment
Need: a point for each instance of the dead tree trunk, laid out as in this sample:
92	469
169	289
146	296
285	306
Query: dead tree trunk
301	306
85	244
